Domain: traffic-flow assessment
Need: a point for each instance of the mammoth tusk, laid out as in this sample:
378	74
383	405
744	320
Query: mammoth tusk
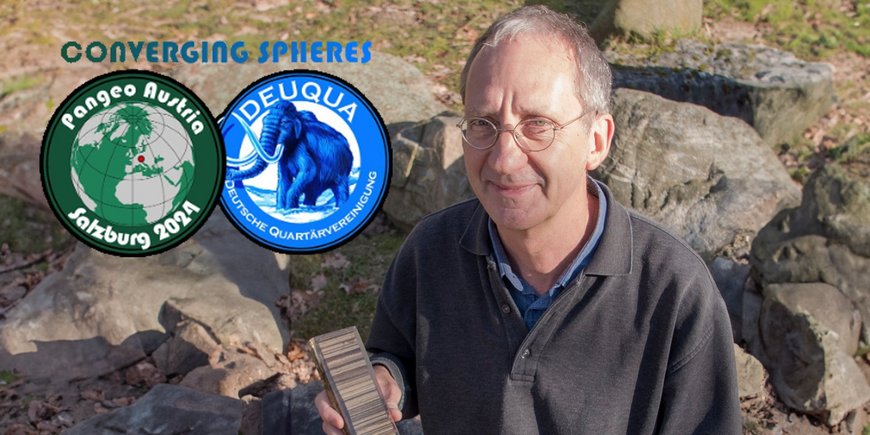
258	148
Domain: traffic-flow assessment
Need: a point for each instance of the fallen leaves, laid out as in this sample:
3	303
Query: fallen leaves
359	285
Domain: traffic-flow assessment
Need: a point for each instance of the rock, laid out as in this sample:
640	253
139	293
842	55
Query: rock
189	347
168	409
428	170
305	420
707	177
809	333
776	93
228	374
825	239
750	373
396	88
730	277
101	312
645	18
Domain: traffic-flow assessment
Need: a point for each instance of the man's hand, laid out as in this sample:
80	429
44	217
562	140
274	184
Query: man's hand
390	391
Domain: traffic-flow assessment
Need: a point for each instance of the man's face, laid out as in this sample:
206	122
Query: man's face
529	77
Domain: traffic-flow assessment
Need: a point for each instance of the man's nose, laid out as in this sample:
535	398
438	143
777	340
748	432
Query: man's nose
506	155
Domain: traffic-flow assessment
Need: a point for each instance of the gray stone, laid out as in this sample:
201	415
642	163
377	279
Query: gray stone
776	93
304	418
168	409
428	170
228	374
809	333
730	277
395	87
189	347
646	18
826	239
750	374
101	312
707	177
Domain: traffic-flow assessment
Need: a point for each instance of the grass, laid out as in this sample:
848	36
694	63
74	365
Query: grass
29	229
7	377
811	29
19	83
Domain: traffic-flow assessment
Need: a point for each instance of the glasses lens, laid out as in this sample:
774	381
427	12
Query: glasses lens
536	134
478	132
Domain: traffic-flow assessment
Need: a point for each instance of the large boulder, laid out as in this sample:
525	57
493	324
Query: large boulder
102	313
168	409
809	333
707	177
646	18
776	93
397	89
428	170
826	239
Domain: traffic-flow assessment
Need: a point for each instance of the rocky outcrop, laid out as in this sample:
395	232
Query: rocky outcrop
102	313
707	177
428	170
645	18
826	239
811	263
776	93
169	409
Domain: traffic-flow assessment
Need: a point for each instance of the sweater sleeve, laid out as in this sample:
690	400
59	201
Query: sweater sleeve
392	340
700	393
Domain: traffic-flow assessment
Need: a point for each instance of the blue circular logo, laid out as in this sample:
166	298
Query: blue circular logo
308	161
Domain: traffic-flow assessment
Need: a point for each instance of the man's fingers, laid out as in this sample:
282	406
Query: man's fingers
389	390
332	421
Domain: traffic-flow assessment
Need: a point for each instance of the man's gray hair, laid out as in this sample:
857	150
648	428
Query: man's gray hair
594	78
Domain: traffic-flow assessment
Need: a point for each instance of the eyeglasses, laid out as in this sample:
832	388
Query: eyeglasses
534	134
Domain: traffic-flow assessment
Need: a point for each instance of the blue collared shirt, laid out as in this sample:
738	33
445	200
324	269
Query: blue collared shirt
531	305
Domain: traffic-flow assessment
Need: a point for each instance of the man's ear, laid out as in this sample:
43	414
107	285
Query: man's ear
601	135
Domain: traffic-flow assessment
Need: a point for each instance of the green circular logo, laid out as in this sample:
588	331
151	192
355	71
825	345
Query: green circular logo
132	163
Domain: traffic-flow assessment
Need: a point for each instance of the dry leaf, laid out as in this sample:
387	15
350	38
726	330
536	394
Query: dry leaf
318	282
358	285
336	261
94	395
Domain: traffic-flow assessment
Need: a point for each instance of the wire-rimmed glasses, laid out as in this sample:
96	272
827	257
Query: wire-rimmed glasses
533	134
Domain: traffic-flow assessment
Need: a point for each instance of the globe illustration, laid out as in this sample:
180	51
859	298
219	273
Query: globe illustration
132	164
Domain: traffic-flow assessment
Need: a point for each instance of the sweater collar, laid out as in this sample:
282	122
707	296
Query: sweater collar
612	257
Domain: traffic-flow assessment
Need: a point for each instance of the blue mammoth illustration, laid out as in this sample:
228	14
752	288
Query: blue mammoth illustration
312	157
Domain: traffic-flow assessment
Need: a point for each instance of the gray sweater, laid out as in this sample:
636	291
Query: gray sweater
639	343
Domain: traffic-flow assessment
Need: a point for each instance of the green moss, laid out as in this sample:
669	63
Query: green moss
7	377
19	83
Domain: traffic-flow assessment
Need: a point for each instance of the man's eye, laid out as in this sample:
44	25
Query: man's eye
478	122
543	123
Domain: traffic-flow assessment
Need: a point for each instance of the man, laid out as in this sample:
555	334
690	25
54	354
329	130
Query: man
544	306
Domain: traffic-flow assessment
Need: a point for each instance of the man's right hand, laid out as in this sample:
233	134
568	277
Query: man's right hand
389	389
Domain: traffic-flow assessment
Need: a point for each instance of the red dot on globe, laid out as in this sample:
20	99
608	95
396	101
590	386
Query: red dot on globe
141	159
